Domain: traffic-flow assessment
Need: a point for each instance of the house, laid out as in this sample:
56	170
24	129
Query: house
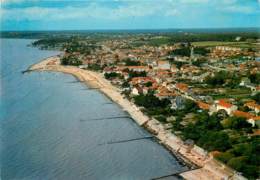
133	68
163	75
165	65
254	121
108	69
138	68
252	105
222	104
142	80
163	92
174	69
203	105
242	114
182	87
137	91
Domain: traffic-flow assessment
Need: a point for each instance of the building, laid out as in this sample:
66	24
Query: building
203	105
223	105
165	65
182	87
252	105
255	121
242	114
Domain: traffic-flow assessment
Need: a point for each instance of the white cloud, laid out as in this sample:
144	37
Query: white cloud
15	1
239	9
93	10
128	9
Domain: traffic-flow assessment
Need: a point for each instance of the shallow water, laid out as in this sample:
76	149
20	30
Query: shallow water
49	131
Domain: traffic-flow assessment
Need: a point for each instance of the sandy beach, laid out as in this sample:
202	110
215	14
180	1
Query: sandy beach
204	167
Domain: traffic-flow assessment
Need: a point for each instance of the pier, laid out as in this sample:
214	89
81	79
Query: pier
128	140
100	119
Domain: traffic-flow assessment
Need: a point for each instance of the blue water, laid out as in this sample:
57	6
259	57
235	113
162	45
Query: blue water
48	129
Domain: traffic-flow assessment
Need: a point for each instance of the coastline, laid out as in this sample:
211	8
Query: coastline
201	165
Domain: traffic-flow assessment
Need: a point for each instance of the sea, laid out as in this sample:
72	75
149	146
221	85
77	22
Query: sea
56	128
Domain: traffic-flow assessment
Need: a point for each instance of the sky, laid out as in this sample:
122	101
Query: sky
127	14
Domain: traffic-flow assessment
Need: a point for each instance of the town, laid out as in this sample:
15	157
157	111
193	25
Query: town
207	92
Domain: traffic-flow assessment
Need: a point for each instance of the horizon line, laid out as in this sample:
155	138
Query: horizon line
137	29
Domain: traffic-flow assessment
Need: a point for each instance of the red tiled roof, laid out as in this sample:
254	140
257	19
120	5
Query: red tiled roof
161	62
182	86
256	132
142	79
225	104
256	118
163	72
252	104
242	114
203	105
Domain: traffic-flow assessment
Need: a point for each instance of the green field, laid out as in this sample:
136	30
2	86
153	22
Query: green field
220	43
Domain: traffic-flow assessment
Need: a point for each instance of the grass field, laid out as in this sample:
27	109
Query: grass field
220	43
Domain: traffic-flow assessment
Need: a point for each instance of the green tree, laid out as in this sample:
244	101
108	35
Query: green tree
218	79
236	123
224	157
129	62
237	162
256	97
254	78
71	60
150	101
214	140
133	74
112	75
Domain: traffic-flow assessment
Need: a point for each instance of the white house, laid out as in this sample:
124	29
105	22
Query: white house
223	105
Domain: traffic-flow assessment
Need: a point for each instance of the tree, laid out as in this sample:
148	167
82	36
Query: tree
251	171
224	157
71	60
95	67
112	75
254	78
190	105
185	51
129	62
218	79
133	74
237	162
150	101
189	132
201	50
148	84
125	84
236	123
256	97
214	140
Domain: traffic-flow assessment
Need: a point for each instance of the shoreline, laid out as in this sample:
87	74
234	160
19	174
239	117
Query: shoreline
200	164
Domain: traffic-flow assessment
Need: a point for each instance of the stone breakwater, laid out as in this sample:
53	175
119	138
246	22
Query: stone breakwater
202	165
